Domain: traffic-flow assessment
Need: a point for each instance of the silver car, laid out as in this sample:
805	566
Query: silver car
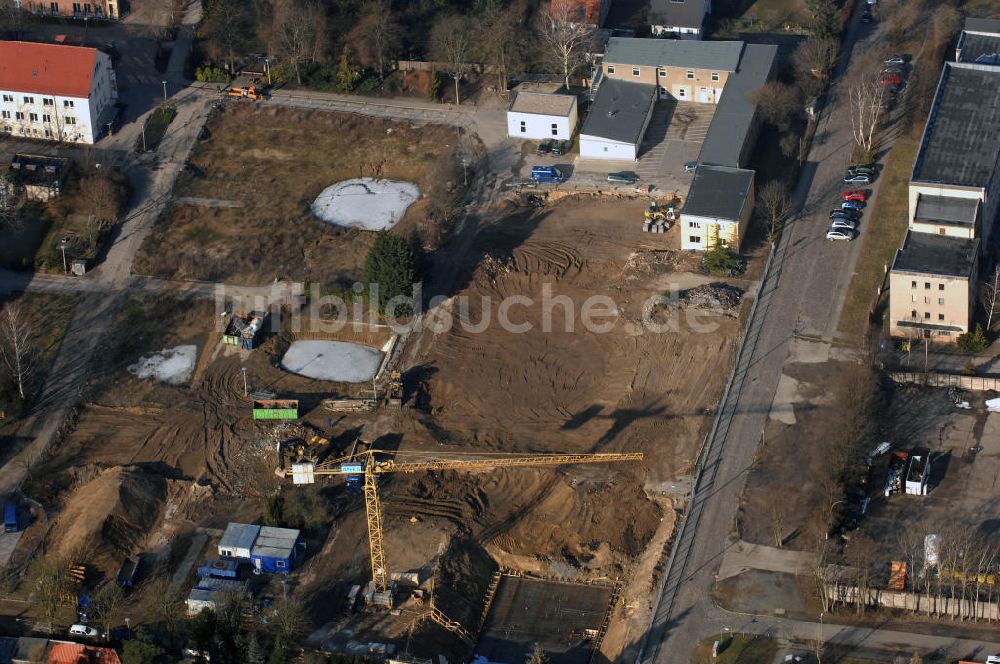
840	234
843	223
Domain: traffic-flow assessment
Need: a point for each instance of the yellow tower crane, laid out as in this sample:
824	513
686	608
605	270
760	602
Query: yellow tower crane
367	466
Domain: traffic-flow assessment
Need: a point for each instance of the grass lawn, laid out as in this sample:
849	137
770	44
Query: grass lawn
736	650
156	129
766	14
884	228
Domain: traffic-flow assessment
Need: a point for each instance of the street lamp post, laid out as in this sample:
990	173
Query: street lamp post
62	246
246	391
164	91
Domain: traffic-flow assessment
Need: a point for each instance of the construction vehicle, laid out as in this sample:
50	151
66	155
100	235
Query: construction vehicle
658	218
311	447
246	87
395	398
365	467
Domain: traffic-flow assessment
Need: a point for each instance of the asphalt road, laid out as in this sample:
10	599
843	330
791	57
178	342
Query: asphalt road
802	294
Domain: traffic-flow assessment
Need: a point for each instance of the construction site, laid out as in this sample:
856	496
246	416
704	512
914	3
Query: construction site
463	496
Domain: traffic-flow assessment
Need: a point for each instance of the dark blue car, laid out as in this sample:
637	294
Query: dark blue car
852	205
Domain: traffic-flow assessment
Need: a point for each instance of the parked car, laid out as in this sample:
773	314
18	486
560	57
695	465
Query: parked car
545	147
852	205
547	174
561	147
852	215
689	166
856	195
896	60
891	78
893	69
843	223
840	234
83	630
10	518
861	168
857	178
623	178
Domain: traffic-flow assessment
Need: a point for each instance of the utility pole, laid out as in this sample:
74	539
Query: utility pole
62	246
143	136
246	391
164	91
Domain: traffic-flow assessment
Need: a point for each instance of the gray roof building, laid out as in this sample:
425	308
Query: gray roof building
677	13
927	253
620	111
947	210
961	140
979	41
714	55
730	135
542	104
718	192
238	539
275	542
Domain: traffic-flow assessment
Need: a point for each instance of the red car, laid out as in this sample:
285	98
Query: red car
891	79
858	195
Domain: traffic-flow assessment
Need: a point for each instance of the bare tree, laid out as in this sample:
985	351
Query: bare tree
288	620
564	42
226	28
451	44
48	583
298	33
101	199
14	18
500	39
989	295
779	103
382	32
778	525
775	204
866	97
106	604
9	217
17	350
814	59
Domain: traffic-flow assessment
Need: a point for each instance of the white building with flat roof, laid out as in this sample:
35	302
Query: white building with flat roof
55	92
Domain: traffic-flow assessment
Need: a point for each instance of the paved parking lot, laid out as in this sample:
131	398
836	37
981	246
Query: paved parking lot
674	137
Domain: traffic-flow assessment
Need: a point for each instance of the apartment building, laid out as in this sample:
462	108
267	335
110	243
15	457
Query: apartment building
92	9
932	286
55	92
683	70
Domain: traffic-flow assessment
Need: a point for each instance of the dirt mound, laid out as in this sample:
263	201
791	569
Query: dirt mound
108	512
461	580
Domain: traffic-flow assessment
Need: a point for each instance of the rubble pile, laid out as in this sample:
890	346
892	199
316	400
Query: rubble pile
713	296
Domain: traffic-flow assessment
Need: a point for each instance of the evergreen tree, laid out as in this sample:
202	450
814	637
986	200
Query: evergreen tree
391	266
347	74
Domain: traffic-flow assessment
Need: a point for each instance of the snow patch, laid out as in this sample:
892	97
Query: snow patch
173	366
337	361
365	203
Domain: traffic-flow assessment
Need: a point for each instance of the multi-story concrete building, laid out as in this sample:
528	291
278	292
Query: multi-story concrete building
55	92
932	286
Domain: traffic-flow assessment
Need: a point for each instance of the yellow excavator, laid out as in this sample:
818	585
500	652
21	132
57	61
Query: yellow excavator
365	467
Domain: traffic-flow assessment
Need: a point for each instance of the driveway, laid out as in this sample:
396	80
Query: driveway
674	137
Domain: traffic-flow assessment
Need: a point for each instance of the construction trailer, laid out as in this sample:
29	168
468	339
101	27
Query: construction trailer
206	591
219	568
245	330
128	572
238	540
274	550
275	409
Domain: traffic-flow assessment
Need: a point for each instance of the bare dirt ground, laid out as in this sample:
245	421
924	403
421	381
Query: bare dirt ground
537	391
272	162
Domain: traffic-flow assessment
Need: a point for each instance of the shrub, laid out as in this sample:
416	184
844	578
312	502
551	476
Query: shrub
719	260
973	342
211	74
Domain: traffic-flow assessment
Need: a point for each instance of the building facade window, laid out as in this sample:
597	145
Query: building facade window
524	126
694	224
940	231
941	301
555	129
29	100
67	103
940	286
70	121
635	71
913	298
913	313
661	72
940	316
690	74
5	115
18	115
8	97
927	284
48	101
611	69
913	284
33	117
694	239
715	76
927	315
